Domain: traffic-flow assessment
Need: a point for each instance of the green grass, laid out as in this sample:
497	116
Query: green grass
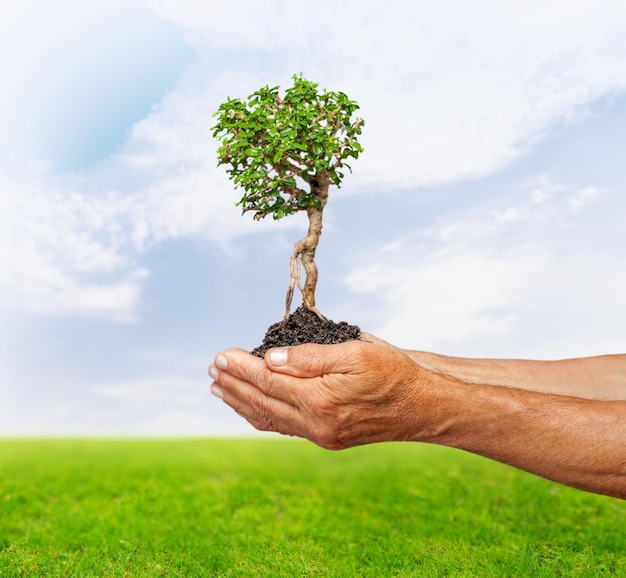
270	507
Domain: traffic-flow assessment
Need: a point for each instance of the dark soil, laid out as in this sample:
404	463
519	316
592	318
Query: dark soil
303	326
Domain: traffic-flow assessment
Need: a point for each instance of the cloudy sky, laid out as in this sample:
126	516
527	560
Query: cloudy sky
486	216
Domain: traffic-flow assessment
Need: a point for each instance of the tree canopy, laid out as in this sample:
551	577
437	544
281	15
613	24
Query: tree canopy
275	145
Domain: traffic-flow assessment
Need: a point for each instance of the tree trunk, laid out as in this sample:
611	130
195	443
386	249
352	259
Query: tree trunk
304	250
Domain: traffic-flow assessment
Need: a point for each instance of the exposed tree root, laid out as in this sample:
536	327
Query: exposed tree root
296	263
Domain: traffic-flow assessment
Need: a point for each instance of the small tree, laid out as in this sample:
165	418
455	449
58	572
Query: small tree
285	153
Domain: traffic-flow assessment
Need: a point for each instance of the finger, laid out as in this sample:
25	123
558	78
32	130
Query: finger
236	397
253	370
263	412
312	360
245	379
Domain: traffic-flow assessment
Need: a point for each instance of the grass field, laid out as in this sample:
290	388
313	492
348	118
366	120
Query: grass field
270	507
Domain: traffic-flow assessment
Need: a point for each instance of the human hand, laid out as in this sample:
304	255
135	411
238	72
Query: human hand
337	396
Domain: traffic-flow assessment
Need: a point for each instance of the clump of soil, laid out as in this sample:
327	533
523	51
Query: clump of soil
303	326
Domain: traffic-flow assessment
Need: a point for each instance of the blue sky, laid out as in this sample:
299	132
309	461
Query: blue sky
485	218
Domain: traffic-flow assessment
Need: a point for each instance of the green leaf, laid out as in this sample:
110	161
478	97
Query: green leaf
262	136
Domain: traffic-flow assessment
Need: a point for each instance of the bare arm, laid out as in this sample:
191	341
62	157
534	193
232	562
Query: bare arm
602	377
574	441
356	393
599	377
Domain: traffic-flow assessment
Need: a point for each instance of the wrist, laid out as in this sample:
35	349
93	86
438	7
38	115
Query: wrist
436	406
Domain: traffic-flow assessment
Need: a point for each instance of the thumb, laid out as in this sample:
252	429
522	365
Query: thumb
312	360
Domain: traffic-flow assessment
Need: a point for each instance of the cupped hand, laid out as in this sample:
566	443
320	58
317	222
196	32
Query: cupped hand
337	396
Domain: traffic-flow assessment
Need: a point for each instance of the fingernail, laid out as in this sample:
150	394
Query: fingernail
217	391
278	356
221	362
214	373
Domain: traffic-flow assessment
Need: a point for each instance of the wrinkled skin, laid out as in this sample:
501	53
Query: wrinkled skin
356	395
564	420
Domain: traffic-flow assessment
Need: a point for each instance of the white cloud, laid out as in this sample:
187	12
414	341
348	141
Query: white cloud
583	197
448	91
73	244
451	296
147	391
167	406
482	282
64	252
158	406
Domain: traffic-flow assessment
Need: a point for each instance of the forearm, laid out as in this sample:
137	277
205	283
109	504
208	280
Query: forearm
601	377
573	441
355	393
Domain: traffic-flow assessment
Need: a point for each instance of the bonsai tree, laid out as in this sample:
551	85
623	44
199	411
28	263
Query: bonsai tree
285	153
